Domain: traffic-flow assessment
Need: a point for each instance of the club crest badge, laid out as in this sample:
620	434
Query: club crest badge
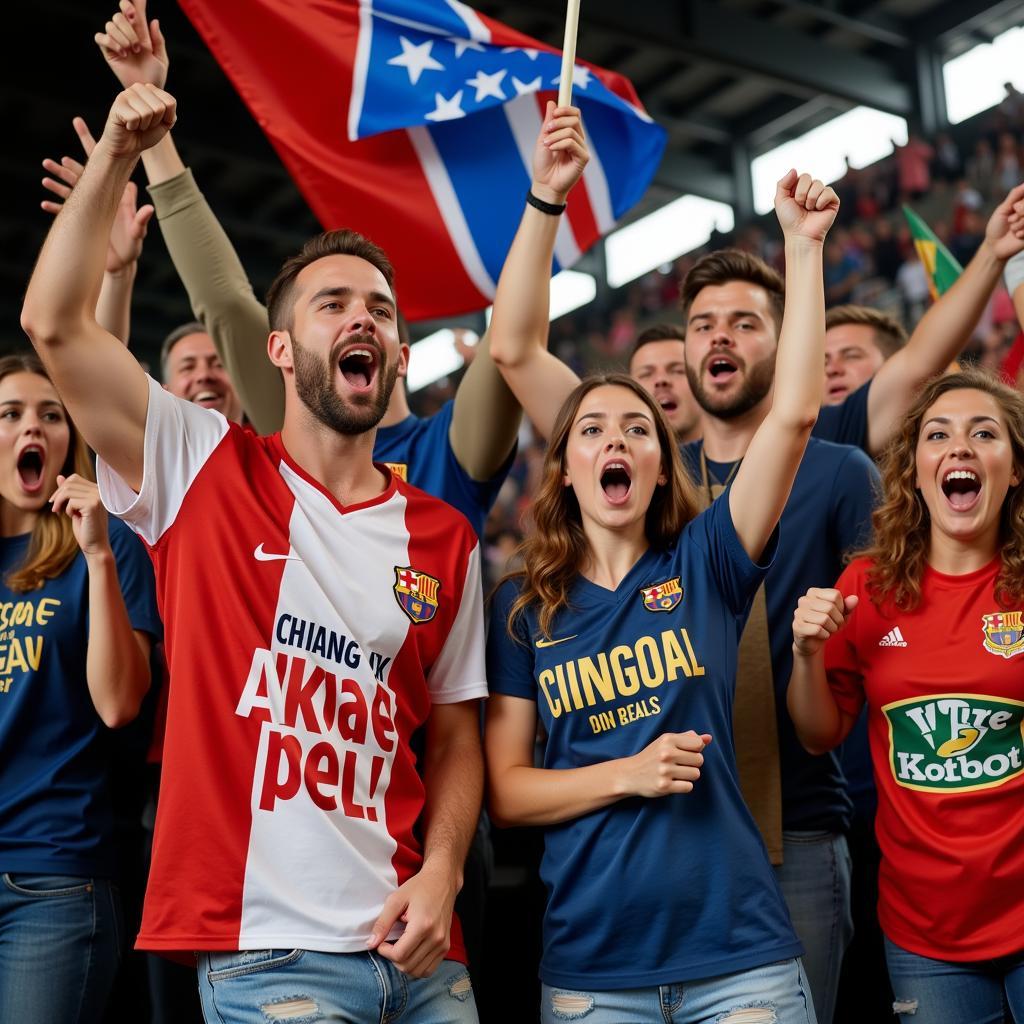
400	469
1004	633
662	597
416	593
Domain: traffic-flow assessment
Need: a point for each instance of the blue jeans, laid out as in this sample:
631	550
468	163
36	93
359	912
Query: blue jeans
772	994
943	992
815	881
261	986
60	947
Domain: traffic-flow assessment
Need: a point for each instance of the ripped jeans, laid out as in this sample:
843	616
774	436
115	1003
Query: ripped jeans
772	994
298	986
944	992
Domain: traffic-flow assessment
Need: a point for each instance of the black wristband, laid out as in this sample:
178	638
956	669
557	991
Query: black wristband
551	209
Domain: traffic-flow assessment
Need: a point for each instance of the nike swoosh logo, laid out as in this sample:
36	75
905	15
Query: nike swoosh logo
552	643
269	556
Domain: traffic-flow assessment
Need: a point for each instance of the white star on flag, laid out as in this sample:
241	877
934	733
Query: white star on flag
416	59
580	77
462	45
488	85
531	53
447	110
524	87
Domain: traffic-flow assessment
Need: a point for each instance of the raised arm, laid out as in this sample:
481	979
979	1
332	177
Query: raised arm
947	326
485	420
117	657
102	385
218	288
820	723
520	321
806	210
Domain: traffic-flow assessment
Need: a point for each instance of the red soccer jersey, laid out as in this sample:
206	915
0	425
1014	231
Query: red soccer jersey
306	643
945	691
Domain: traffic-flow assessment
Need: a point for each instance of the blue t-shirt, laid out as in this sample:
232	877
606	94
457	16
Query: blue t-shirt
828	515
55	815
847	422
419	451
648	891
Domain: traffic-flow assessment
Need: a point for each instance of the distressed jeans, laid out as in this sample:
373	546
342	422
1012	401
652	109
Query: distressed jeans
943	992
300	986
772	994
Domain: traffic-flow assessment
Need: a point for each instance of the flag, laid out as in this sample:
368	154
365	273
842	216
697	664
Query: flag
414	122
941	265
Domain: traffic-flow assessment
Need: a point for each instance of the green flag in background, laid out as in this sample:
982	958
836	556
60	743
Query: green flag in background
941	265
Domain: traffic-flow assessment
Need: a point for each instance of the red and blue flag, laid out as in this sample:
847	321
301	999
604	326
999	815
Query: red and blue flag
414	122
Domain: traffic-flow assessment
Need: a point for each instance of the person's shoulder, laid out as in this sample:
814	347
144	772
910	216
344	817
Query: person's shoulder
855	574
424	507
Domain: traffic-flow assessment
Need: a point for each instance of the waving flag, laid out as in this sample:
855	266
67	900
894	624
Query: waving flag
414	122
942	267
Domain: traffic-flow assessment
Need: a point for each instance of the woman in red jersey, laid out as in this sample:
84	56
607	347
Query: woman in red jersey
927	627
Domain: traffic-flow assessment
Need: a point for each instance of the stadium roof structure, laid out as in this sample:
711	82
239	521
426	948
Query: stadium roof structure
728	79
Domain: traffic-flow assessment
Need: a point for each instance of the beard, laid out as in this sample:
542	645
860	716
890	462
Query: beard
757	383
314	384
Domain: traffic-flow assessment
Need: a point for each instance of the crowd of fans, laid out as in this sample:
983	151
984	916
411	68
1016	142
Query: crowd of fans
870	260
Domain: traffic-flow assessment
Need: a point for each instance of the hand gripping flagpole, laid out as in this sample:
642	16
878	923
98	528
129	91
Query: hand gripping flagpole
572	17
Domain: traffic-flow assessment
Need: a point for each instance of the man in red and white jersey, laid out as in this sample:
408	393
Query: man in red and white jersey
318	612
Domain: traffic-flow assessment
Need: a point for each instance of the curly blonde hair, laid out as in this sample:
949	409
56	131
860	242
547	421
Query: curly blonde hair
555	546
902	524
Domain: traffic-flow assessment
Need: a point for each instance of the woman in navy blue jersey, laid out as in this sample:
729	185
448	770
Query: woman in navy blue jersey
621	634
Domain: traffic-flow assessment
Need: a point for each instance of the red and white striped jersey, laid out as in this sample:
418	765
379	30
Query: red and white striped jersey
306	643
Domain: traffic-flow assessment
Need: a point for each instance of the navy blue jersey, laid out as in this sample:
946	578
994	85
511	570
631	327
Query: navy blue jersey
55	815
828	515
847	422
418	450
648	891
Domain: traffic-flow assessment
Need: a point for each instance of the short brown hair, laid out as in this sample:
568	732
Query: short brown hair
659	332
717	268
890	334
343	242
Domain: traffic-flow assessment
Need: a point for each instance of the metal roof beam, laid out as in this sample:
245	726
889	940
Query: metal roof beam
794	60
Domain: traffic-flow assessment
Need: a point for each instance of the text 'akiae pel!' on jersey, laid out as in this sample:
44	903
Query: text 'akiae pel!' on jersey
306	643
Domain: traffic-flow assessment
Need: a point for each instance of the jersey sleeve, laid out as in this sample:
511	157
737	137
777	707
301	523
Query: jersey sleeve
847	422
509	658
135	576
842	661
180	437
735	573
458	673
855	489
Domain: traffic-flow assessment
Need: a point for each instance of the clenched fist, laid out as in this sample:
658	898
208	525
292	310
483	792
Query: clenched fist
819	614
140	117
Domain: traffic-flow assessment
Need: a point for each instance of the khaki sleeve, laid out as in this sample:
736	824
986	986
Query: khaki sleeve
221	296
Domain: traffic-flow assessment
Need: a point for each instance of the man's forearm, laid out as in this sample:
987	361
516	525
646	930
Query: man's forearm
114	306
454	780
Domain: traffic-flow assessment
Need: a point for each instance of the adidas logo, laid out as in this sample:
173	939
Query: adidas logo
894	638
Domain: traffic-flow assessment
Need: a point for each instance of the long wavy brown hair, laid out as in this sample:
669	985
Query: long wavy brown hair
555	546
52	546
902	524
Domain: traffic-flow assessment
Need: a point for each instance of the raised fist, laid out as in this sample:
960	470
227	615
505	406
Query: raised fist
805	206
140	117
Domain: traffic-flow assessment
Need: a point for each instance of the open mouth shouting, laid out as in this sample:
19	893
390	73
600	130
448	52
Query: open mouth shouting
616	482
31	460
208	398
961	488
359	364
721	367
